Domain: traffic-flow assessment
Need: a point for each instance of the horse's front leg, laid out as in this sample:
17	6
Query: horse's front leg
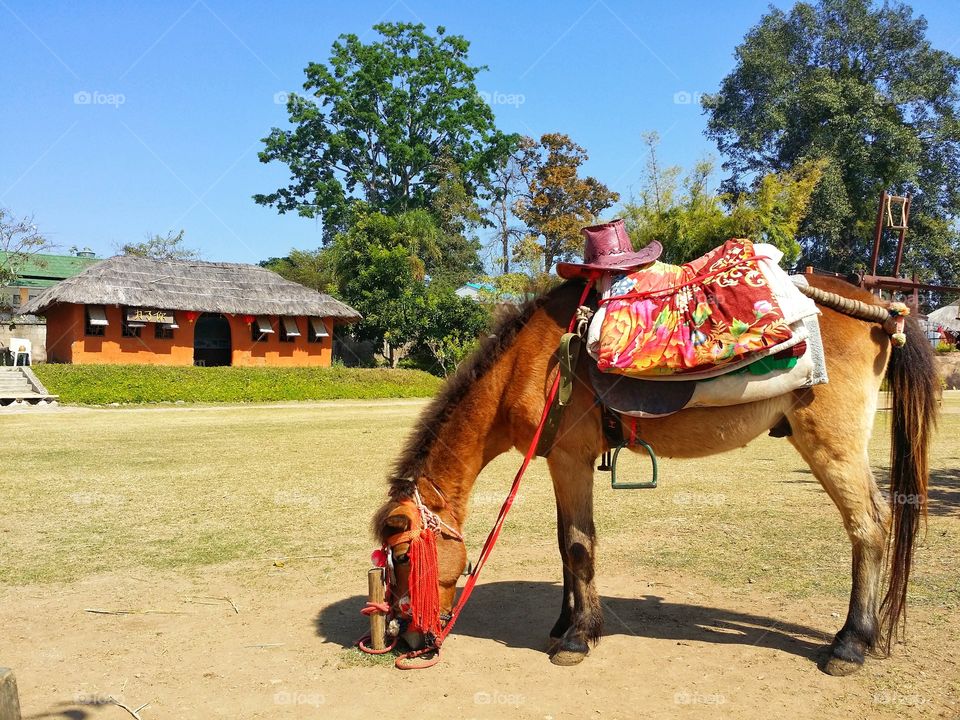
566	604
573	486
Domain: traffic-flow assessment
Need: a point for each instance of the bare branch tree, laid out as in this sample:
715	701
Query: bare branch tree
19	241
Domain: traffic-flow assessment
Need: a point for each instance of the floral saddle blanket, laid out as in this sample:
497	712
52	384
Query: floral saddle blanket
718	313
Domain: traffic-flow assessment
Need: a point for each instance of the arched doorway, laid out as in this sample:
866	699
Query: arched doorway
211	340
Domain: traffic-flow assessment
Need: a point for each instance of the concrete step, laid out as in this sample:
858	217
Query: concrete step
29	400
19	387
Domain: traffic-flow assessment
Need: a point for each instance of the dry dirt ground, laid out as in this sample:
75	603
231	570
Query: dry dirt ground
711	611
675	646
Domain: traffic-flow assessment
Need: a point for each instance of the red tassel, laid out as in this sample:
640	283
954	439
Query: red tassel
424	584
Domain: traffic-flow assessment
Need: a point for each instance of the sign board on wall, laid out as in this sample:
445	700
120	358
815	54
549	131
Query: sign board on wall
143	315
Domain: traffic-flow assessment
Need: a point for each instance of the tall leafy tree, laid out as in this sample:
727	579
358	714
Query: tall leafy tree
449	326
861	86
162	247
556	201
458	217
380	272
311	268
501	192
689	218
382	265
373	121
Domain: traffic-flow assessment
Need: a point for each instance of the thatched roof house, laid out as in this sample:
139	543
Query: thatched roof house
204	313
191	285
947	317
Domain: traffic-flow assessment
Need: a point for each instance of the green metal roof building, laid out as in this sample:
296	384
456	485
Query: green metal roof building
37	272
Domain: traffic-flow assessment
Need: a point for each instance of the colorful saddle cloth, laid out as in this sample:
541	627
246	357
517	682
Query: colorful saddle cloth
698	319
801	366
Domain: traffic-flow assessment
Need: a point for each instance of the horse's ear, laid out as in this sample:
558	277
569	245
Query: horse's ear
397	521
390	520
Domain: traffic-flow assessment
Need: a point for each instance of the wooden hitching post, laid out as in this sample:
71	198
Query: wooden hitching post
378	621
9	701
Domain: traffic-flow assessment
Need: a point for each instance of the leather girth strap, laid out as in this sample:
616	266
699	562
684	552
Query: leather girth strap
569	354
612	426
568	357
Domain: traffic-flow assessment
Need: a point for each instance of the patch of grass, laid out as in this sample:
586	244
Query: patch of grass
353	657
105	490
106	384
101	491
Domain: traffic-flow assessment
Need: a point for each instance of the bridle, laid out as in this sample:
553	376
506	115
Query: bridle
421	519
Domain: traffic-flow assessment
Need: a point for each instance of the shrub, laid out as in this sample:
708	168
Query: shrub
106	384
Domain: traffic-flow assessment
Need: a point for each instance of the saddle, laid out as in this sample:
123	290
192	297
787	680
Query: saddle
795	368
728	328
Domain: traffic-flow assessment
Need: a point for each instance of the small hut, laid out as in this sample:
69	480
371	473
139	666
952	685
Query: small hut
944	323
186	312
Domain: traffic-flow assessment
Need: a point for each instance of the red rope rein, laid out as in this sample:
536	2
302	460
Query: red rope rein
374	607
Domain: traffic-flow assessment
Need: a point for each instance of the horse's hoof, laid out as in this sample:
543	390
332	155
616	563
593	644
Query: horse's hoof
553	644
838	667
567	658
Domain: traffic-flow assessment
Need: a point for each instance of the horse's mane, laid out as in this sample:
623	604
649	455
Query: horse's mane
501	336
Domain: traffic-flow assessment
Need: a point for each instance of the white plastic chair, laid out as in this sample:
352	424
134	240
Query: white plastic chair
21	347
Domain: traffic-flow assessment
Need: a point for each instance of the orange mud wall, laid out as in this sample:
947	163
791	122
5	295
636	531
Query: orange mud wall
270	351
68	343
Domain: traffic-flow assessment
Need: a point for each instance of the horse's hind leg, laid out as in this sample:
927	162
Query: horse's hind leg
573	486
833	440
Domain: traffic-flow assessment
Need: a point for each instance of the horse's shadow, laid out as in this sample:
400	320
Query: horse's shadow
520	613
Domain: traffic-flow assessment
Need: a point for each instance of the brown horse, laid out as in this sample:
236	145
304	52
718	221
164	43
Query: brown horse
494	403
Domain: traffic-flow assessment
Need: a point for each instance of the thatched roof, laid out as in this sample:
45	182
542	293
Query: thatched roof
190	285
947	317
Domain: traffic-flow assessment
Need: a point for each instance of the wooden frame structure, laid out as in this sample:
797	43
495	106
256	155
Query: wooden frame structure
876	283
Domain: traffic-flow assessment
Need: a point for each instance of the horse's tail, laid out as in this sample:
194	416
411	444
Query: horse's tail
915	390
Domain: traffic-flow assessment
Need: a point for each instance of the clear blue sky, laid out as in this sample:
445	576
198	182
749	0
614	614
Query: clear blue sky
180	93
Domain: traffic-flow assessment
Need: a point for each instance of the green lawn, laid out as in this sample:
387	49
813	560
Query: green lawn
102	490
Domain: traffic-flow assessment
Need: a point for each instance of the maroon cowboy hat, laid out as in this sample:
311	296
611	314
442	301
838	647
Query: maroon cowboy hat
607	248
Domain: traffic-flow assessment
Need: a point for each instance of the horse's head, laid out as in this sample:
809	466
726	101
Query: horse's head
425	558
